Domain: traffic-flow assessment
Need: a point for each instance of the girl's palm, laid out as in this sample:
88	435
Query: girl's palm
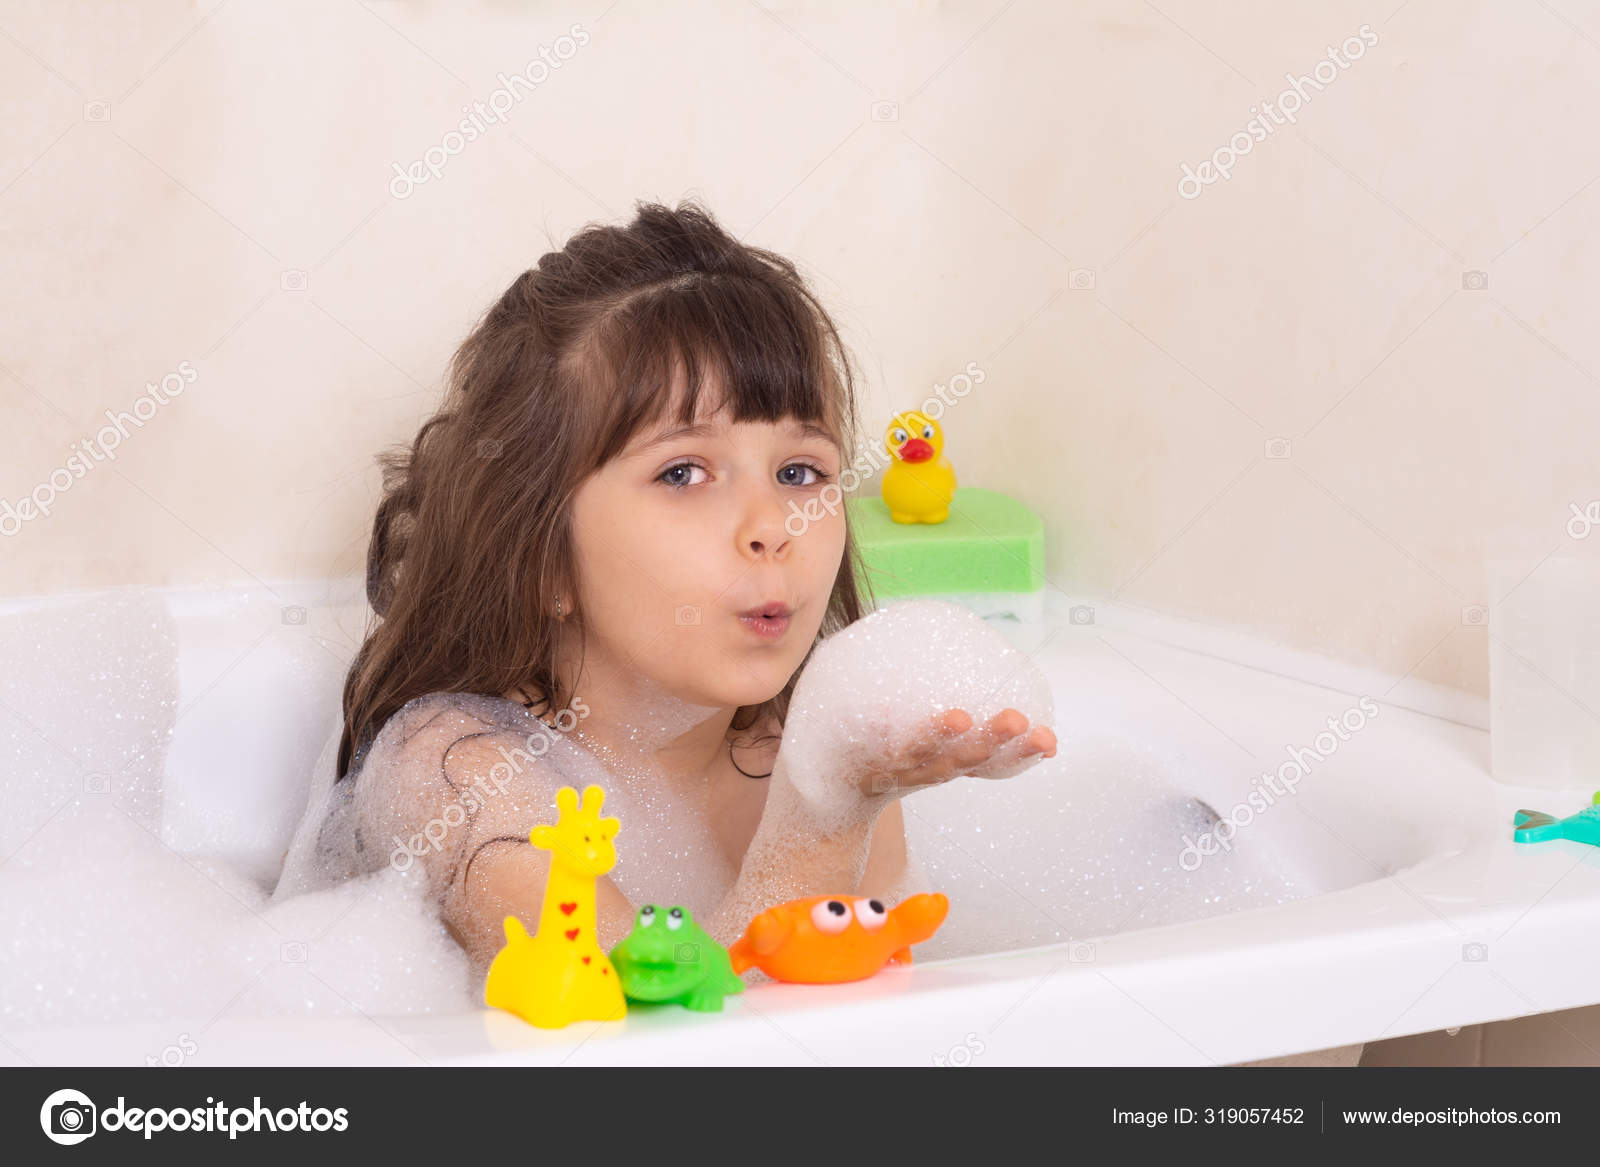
952	746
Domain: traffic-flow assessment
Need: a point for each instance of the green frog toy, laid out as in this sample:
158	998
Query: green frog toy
668	958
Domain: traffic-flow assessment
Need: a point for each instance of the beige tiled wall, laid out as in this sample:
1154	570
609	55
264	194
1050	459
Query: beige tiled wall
1278	405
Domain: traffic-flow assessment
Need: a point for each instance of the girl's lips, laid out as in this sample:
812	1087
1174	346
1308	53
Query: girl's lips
766	627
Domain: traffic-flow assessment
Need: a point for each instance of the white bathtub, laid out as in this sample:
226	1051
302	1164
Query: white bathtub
1418	913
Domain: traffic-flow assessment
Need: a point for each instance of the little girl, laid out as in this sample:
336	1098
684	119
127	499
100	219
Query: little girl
583	574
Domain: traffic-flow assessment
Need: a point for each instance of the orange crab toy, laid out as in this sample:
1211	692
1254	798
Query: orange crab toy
829	939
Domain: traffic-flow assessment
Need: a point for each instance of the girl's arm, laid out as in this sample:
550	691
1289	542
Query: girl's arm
508	878
438	777
887	859
795	853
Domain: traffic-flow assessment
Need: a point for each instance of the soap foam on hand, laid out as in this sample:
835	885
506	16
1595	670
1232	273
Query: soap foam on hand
874	687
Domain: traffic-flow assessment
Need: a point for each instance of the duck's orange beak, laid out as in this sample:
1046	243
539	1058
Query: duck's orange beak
916	450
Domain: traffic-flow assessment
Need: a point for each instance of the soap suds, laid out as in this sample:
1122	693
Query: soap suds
872	688
105	922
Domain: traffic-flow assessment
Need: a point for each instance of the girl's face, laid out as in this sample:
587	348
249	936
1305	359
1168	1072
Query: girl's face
688	573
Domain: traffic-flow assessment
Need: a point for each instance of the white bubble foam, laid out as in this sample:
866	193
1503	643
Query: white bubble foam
1088	844
104	921
107	924
873	687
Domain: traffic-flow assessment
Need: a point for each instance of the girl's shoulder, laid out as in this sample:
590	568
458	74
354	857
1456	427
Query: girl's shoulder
427	728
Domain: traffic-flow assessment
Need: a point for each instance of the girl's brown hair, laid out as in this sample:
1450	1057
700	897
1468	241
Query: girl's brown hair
472	539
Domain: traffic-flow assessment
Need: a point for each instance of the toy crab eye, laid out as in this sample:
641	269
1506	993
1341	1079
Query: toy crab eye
647	915
871	914
899	435
831	916
927	432
674	919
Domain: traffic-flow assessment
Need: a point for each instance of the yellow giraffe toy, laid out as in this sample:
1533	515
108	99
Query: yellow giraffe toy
561	975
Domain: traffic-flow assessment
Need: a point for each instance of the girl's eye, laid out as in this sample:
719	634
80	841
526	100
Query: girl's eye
794	474
900	437
871	914
682	474
831	916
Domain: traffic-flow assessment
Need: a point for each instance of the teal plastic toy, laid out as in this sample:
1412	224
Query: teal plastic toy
668	958
1534	826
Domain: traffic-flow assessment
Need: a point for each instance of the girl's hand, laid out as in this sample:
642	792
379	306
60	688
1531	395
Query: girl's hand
951	746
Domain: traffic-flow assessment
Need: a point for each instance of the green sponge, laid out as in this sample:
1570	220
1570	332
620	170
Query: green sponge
989	552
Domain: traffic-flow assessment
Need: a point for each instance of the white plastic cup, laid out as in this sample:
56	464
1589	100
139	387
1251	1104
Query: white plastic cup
1544	669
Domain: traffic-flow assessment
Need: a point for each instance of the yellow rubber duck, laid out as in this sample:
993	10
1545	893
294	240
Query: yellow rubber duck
561	974
920	482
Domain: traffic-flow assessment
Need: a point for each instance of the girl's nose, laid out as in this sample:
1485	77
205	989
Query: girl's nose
773	542
762	532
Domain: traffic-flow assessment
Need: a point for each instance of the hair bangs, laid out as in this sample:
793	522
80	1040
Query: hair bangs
702	345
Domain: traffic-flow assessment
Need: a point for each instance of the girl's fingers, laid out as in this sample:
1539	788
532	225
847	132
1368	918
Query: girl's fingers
978	746
943	726
955	748
973	752
962	757
1004	726
954	721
